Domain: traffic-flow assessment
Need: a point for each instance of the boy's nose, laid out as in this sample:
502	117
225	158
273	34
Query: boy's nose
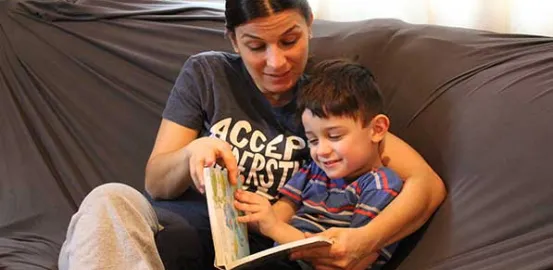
323	148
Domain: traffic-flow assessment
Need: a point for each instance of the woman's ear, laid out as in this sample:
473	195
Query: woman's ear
231	35
310	25
380	125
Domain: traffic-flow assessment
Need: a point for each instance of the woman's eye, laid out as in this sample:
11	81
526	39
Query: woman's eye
289	41
256	46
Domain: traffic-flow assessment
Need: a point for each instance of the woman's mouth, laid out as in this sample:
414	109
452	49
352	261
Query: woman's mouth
278	75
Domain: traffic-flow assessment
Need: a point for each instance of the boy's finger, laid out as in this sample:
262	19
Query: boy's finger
243	219
246	207
247	197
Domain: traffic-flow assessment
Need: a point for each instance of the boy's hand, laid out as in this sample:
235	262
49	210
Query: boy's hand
257	211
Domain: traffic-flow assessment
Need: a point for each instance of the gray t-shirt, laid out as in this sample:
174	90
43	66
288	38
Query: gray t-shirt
215	94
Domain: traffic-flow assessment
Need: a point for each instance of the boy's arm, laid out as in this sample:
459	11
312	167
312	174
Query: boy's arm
271	221
283	232
351	248
284	209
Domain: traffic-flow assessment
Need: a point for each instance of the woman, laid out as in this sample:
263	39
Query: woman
237	109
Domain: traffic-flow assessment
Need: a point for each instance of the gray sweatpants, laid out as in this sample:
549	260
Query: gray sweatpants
114	228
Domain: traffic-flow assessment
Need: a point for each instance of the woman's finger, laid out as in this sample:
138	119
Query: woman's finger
198	176
328	263
225	153
325	267
193	174
311	254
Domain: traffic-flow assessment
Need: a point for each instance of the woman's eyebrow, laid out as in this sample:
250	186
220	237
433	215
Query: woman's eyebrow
284	33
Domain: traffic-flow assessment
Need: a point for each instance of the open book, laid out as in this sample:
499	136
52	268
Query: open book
230	238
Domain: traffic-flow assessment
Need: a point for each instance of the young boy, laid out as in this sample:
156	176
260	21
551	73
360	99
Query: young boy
345	184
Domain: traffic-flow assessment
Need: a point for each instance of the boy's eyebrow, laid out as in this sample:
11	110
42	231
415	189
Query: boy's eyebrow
334	128
326	129
284	33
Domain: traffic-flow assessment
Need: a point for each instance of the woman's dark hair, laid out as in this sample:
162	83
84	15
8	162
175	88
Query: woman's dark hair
341	87
238	12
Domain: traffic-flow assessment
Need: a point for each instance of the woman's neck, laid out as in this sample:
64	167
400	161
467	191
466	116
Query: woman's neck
279	100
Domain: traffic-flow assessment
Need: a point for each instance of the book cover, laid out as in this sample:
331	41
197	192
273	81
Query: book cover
230	237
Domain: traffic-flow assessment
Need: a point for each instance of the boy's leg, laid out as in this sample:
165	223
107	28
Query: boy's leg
113	229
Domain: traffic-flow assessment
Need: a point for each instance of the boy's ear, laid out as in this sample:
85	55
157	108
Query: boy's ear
380	126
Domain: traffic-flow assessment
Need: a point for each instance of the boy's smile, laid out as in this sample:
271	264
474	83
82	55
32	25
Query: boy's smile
341	146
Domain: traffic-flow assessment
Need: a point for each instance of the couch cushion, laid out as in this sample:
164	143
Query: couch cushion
478	106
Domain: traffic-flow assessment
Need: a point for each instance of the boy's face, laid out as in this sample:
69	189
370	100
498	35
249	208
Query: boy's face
341	146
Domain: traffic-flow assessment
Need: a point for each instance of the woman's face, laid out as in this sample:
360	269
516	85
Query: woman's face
274	50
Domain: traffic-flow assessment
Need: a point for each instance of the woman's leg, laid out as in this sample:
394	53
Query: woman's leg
114	228
185	242
179	244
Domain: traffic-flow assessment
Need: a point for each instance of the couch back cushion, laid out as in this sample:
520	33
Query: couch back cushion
478	106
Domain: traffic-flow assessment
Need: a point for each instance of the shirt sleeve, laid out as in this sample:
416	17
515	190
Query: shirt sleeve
184	105
377	191
293	189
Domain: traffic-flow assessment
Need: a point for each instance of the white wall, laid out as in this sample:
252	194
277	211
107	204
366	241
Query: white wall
508	16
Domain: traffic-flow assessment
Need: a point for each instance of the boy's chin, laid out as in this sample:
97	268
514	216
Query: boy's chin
335	174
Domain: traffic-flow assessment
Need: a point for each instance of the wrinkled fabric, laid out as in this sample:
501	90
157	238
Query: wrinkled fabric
83	85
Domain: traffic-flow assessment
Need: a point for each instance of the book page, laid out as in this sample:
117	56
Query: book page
277	253
230	238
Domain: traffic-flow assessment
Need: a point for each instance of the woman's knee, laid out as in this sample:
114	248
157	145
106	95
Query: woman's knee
122	199
110	192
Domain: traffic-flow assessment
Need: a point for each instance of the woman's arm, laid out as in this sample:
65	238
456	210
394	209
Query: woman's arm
178	159
167	171
422	193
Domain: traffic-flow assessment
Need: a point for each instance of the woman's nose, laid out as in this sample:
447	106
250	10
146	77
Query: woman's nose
275	58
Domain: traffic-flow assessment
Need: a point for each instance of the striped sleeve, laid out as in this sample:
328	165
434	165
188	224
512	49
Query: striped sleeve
294	187
377	190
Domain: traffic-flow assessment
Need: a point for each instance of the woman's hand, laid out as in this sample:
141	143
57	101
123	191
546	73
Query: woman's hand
258	212
350	250
204	152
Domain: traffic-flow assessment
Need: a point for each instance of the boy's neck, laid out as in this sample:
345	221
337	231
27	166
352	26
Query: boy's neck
375	165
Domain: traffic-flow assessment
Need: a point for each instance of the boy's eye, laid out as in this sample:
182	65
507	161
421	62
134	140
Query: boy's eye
312	141
335	137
